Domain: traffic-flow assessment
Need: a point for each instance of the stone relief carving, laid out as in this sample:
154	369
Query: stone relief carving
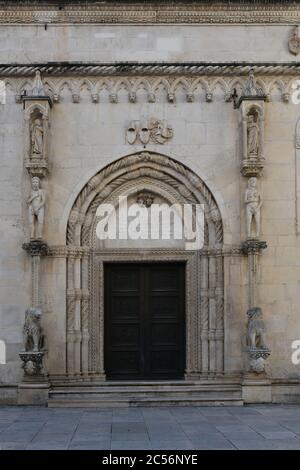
36	203
38	89
257	350
186	13
154	130
145	199
294	41
32	330
253	201
251	88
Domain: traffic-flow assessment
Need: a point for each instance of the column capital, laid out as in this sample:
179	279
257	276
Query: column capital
253	246
36	248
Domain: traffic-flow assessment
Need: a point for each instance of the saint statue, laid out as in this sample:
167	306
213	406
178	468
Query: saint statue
252	136
253	201
36	203
37	137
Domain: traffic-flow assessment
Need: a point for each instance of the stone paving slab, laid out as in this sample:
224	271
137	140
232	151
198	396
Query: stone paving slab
175	428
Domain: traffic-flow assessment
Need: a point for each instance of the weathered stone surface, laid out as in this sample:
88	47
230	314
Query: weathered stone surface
200	154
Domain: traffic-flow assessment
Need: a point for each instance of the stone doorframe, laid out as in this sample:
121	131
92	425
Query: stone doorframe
204	268
192	316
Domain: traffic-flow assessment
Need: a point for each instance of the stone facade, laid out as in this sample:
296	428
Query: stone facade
186	103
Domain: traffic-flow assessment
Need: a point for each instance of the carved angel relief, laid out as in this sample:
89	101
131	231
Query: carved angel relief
154	130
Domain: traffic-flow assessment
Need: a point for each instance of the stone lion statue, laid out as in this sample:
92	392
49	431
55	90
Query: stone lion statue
256	329
32	330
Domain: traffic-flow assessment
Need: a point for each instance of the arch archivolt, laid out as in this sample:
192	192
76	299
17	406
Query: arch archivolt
175	183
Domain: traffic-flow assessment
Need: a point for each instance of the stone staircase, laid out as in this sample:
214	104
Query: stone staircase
159	393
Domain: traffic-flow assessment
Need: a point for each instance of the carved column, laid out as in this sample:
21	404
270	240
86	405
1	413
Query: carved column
36	249
212	314
251	104
204	303
36	105
85	314
219	314
253	248
71	299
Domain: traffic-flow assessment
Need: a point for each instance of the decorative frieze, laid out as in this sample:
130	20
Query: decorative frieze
186	12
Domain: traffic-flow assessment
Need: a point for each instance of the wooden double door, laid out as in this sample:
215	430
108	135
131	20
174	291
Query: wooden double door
144	321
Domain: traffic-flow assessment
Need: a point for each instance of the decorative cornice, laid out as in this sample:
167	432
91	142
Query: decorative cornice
128	69
184	12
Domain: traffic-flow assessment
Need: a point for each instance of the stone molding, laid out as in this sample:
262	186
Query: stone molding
80	252
132	69
152	13
203	86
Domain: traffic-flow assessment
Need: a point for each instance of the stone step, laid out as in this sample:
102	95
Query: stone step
143	402
154	394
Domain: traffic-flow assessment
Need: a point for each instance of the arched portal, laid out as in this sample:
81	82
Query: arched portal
204	284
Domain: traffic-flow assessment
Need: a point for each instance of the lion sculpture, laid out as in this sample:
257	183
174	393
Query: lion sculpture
32	330
256	329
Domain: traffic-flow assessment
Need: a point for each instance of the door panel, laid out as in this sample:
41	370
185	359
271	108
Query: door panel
144	321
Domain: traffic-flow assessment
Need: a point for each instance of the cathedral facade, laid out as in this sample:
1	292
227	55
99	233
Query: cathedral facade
169	104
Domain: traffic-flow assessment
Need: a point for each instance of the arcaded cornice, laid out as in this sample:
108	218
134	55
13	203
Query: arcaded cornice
141	69
185	12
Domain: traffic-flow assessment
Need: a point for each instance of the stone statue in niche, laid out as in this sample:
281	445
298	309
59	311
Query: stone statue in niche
37	138
253	134
253	201
36	203
32	330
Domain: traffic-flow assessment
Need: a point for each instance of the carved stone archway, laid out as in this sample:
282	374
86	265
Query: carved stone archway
204	268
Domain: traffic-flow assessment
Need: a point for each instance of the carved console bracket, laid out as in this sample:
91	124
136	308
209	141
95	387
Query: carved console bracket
36	248
253	246
33	366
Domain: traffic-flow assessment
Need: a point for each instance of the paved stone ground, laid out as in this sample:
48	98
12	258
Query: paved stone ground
249	427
